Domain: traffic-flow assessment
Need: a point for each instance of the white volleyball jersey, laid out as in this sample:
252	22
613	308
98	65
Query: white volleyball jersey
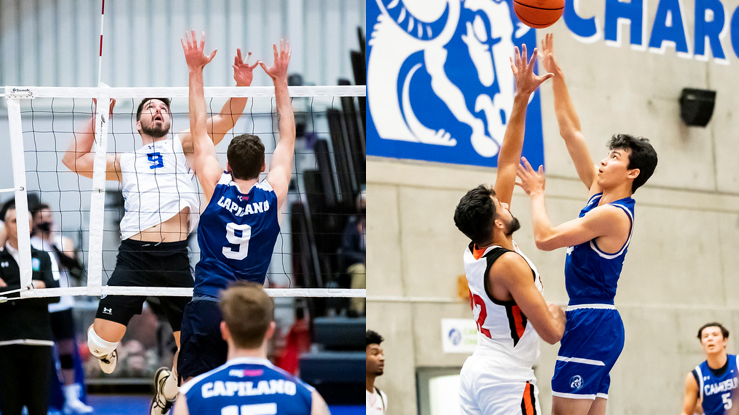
502	329
157	183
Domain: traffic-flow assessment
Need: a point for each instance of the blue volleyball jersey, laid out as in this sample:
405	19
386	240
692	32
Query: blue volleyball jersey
236	234
717	386
247	385
591	275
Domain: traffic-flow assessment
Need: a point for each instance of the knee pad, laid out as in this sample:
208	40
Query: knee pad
99	347
66	361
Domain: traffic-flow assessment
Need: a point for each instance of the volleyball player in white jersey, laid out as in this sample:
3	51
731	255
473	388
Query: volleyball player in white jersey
505	287
162	207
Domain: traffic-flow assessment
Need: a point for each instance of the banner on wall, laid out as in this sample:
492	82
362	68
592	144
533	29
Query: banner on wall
439	81
458	335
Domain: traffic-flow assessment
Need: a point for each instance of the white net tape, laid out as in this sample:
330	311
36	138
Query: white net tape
20	99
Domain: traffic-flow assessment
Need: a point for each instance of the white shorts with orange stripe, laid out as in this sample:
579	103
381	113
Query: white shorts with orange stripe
490	386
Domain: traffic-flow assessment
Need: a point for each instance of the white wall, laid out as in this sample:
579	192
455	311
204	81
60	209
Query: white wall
55	42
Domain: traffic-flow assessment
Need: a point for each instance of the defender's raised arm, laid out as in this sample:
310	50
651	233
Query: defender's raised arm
510	150
282	159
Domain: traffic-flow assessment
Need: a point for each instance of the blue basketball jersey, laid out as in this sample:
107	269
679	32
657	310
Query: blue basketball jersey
247	385
236	234
591	275
717	386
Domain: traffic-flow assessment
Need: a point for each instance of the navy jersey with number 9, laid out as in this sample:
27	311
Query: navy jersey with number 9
236	234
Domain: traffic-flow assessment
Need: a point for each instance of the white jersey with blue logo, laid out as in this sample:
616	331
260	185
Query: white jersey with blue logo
236	235
716	386
247	385
157	183
591	275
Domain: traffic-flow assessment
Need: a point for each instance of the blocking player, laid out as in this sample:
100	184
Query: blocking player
248	383
162	207
239	227
715	380
596	243
505	287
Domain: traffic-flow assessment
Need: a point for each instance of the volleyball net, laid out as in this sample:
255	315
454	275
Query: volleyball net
325	194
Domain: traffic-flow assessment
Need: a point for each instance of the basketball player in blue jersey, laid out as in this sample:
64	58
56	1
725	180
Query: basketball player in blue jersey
714	381
239	227
505	286
596	243
248	383
162	206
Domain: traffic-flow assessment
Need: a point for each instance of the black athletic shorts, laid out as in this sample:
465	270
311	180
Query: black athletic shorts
202	347
62	324
148	264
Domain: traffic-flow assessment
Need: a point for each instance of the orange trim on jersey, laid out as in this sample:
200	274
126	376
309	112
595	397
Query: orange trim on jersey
518	320
527	404
478	253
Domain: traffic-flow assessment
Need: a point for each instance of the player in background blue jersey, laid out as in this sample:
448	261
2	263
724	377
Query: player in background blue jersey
596	243
248	383
714	381
239	227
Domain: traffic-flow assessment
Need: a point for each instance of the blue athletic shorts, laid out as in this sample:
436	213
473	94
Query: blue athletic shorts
592	342
201	346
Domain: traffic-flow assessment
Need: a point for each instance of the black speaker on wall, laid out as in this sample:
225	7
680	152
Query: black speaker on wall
696	106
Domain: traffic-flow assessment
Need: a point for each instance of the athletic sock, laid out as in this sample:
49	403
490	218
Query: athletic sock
171	389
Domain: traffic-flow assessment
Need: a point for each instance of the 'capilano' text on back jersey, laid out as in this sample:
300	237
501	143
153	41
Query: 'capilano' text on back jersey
591	275
502	329
717	386
236	235
157	183
247	385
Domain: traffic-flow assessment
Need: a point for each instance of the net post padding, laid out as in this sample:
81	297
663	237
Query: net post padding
19	181
97	198
187	292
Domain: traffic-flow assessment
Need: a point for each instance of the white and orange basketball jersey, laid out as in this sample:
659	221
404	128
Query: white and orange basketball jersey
502	329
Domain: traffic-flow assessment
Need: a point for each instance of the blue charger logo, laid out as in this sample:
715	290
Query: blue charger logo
441	88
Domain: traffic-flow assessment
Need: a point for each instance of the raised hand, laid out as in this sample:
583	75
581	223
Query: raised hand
194	55
110	109
243	72
531	181
278	71
523	72
547	54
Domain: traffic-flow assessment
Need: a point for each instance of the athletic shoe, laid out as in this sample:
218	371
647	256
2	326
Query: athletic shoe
109	362
160	405
72	403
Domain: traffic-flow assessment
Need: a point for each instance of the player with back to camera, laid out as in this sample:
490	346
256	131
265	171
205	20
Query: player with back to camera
596	244
505	287
248	383
162	207
240	225
714	381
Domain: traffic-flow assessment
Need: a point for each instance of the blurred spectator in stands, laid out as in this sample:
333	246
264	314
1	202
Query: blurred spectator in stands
64	264
26	339
353	252
376	399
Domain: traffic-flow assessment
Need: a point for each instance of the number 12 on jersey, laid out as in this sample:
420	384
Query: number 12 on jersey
237	235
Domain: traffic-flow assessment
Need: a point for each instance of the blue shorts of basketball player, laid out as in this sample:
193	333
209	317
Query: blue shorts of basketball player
592	342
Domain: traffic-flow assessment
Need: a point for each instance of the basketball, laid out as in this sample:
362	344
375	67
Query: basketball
538	13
